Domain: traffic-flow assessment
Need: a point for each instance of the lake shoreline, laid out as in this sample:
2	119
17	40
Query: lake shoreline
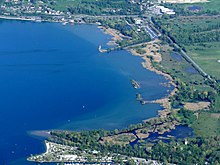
115	34
147	64
164	102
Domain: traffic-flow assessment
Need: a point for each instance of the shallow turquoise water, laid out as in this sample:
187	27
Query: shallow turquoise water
53	77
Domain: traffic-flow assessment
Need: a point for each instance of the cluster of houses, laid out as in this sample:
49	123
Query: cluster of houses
163	10
17	8
29	11
63	153
153	6
20	8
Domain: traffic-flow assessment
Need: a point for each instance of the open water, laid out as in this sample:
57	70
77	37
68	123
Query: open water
53	77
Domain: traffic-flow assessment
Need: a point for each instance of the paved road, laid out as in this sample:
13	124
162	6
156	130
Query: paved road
104	16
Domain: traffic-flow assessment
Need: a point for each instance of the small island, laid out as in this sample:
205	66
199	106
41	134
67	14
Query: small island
135	84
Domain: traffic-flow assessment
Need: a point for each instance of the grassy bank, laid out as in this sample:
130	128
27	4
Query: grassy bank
94	7
217	104
197	35
207	56
212	6
207	124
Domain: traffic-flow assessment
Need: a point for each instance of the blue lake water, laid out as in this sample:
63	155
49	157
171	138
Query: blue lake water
180	132
176	56
53	77
191	70
195	8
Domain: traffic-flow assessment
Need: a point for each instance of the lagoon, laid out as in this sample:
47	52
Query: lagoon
53	77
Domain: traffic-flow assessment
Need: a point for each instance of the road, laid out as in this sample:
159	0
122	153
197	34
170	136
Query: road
104	16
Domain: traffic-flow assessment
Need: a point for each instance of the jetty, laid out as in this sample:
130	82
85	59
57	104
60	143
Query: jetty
102	50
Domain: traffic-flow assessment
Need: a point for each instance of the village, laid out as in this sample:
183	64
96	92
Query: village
71	155
40	11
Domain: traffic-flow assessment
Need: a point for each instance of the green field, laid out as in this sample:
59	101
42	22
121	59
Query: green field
95	7
187	30
208	7
207	56
63	4
207	124
212	5
217	104
199	36
179	68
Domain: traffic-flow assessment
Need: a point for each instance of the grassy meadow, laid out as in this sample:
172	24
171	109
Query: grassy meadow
207	124
179	68
207	55
217	104
212	5
200	37
207	7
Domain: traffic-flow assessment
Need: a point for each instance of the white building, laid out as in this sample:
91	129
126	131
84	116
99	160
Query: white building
138	21
165	10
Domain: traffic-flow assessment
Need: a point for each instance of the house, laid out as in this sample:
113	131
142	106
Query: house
164	10
138	21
